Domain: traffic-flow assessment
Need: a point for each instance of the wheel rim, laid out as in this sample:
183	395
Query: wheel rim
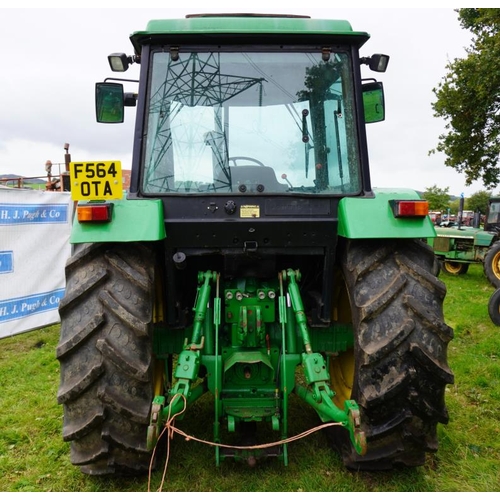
342	376
495	265
453	267
341	367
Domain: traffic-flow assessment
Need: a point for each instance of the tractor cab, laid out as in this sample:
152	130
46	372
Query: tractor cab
492	218
248	114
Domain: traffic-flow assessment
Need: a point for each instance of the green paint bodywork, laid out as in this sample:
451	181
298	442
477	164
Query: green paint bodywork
466	245
478	236
132	220
201	26
361	218
358	218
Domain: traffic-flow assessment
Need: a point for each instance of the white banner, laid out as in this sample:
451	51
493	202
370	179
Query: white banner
34	246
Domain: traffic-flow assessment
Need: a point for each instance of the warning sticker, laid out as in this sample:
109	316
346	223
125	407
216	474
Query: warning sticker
250	211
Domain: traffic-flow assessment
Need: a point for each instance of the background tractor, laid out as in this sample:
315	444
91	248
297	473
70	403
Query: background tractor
458	246
241	266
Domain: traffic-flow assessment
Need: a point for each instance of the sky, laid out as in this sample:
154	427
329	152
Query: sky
53	57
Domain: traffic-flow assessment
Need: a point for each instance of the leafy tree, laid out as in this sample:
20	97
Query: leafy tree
439	199
478	201
468	98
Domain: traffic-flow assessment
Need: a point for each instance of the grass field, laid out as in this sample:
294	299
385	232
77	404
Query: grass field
33	456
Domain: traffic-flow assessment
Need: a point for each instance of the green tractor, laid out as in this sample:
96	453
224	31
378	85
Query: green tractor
458	246
250	261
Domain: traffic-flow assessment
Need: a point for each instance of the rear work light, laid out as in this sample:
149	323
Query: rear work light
410	208
94	212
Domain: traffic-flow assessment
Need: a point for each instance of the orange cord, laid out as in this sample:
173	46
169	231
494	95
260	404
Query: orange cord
170	429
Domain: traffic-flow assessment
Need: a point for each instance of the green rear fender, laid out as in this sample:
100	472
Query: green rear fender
361	218
142	220
132	220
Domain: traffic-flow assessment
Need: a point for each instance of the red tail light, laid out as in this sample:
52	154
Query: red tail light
410	208
98	212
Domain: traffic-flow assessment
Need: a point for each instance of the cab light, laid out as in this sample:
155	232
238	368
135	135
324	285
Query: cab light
94	212
410	208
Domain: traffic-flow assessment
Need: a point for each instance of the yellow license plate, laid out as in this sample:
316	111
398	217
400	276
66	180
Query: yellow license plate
96	180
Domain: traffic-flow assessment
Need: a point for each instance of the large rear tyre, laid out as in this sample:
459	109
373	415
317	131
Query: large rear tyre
397	371
494	307
492	264
105	354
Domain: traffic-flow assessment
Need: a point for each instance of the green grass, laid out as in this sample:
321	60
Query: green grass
33	456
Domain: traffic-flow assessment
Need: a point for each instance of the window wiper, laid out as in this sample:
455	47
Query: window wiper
305	138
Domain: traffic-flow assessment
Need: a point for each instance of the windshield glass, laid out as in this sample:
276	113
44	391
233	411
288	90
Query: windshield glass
494	213
256	122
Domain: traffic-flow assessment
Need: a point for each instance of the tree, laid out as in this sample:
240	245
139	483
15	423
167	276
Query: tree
439	199
468	98
478	201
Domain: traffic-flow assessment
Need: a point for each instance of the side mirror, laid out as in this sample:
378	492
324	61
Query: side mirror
109	102
373	102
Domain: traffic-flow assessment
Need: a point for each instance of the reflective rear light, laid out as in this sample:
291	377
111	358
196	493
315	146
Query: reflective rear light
94	212
410	208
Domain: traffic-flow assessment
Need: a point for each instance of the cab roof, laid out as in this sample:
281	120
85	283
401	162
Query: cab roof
242	25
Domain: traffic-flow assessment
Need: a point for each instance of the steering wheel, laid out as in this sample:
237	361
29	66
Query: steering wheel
235	160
